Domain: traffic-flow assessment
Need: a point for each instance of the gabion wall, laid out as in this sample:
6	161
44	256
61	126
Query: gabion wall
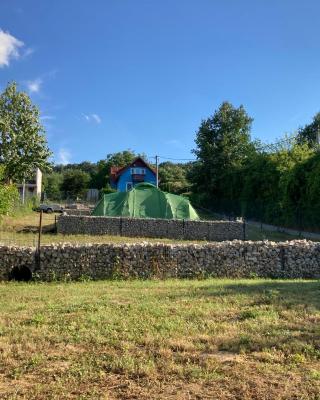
152	228
72	211
236	259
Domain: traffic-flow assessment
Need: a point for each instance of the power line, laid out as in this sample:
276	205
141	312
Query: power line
265	146
174	159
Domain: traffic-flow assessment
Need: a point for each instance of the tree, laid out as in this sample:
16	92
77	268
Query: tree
223	145
173	177
302	193
259	192
100	172
75	183
309	133
101	178
23	146
52	185
86	166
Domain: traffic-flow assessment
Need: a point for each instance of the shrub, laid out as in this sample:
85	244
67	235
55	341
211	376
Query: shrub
8	195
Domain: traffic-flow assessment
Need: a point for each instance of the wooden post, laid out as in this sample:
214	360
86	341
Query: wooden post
39	242
40	230
23	191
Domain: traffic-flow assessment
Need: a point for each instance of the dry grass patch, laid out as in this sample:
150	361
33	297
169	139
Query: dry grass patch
213	339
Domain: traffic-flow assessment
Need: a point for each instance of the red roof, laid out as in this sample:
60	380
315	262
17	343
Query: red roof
115	172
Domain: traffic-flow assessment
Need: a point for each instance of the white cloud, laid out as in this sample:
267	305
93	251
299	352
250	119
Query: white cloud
64	156
28	51
9	48
96	118
35	85
92	118
47	117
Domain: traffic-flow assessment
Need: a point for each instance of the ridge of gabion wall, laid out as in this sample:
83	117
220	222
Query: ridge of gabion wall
232	259
150	227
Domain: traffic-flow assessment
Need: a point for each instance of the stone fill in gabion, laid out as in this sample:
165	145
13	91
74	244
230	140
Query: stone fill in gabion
232	259
149	227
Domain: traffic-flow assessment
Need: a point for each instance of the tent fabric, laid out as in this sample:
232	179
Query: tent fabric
145	201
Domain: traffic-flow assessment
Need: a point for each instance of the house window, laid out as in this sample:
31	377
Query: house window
138	171
129	186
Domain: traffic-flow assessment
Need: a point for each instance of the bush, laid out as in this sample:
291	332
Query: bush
30	204
9	196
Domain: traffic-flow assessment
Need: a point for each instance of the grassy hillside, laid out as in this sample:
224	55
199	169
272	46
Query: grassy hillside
213	339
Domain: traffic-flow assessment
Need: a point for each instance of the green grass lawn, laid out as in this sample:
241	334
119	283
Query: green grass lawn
211	339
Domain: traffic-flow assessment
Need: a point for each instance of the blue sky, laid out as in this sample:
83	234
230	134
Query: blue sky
109	75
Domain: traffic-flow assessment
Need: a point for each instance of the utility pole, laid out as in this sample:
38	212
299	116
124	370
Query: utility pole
157	171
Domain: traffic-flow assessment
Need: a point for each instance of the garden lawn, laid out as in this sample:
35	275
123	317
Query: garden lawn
210	339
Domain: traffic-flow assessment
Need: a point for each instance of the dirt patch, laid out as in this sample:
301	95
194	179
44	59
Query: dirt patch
222	356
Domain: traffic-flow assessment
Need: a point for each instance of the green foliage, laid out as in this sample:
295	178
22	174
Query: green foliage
23	146
101	178
9	195
99	172
8	198
57	186
309	133
108	189
266	182
74	183
303	193
279	185
30	204
223	145
173	177
85	166
259	184
52	186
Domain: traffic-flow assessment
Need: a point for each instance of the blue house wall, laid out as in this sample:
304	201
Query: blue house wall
126	177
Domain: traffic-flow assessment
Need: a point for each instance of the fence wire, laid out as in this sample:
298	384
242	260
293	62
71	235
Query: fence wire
23	230
17	239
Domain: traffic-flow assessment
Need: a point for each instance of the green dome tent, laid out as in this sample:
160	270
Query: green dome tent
145	201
